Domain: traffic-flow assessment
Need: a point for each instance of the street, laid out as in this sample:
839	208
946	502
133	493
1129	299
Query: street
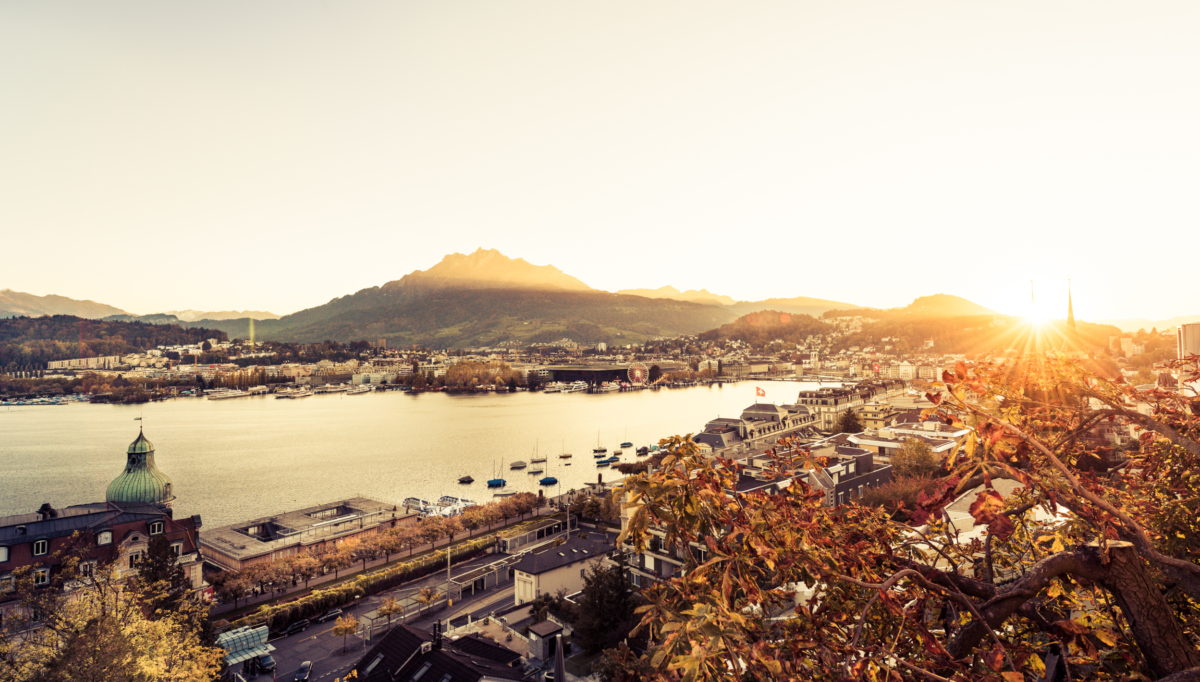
319	645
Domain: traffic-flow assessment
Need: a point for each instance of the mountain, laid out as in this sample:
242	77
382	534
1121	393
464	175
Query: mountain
937	305
1133	324
16	303
193	315
693	295
482	299
487	269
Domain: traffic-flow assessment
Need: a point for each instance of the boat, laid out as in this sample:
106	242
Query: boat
294	394
548	480
359	390
618	453
537	460
643	451
535	470
552	387
452	501
225	395
608	387
577	387
565	455
496	482
332	388
626	444
504	492
602	462
466	479
599	451
517	465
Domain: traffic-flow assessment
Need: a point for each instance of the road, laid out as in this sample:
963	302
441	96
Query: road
319	645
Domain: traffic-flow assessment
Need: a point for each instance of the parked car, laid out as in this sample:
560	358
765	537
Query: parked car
304	672
266	663
331	614
299	626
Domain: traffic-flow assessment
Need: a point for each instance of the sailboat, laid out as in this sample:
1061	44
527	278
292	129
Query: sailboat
548	480
565	454
599	451
627	444
537	459
496	482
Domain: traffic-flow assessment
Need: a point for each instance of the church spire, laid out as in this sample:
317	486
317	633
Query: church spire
1070	308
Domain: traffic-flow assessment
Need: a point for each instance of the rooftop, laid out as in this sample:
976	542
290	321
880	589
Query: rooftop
572	551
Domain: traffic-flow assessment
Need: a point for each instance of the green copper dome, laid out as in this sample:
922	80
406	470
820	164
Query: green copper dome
141	481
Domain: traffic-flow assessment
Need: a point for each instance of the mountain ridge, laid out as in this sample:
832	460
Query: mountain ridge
21	304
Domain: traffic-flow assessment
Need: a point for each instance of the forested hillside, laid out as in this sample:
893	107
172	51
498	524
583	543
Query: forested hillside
35	341
450	318
766	326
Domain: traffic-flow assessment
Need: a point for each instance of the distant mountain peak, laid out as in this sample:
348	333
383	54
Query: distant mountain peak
945	305
691	295
488	269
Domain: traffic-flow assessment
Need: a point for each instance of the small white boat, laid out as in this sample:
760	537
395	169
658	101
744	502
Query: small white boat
504	492
517	465
359	390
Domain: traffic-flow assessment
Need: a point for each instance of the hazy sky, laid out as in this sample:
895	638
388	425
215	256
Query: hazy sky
218	155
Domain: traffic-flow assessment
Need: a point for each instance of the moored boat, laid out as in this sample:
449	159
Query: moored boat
466	479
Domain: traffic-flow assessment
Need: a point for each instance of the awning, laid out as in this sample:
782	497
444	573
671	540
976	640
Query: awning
244	644
247	654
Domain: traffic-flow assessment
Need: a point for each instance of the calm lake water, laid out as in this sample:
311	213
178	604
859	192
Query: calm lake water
234	460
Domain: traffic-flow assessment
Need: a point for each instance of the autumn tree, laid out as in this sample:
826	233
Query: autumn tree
93	625
390	607
915	458
1097	564
344	627
605	614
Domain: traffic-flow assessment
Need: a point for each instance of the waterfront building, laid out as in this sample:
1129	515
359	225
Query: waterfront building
827	404
237	545
759	424
137	507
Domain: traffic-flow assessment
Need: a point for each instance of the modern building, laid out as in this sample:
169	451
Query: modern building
238	545
558	567
1187	340
102	362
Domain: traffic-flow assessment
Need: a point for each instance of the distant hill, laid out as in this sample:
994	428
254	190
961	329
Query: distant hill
693	295
763	327
937	305
1133	324
487	269
193	315
16	303
800	305
156	318
34	341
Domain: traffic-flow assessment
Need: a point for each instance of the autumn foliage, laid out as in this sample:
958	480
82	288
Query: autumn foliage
1091	569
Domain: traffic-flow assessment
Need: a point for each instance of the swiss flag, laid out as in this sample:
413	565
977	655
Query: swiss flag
759	392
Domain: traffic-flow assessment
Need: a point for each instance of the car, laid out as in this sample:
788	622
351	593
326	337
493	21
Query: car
332	614
304	672
299	626
266	663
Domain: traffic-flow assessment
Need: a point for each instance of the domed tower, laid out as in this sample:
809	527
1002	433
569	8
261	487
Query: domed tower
141	482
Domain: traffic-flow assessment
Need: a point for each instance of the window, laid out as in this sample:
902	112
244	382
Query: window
134	558
3	554
176	548
6	584
87	569
104	537
41	547
41	577
156	528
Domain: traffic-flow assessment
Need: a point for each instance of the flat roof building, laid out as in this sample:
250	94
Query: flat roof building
238	545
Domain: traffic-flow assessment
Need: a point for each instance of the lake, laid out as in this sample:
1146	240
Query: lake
235	460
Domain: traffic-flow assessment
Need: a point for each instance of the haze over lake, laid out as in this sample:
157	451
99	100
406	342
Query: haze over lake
234	460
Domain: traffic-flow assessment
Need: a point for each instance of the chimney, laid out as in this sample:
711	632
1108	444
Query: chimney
46	512
437	635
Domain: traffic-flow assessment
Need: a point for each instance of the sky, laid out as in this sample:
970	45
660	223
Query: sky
276	155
